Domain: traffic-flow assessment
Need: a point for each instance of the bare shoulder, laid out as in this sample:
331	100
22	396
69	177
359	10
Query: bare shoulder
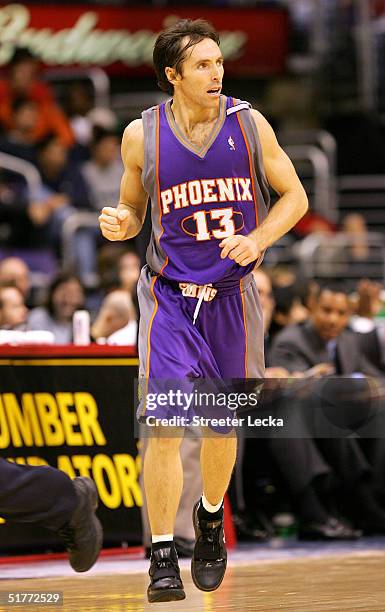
263	126
133	142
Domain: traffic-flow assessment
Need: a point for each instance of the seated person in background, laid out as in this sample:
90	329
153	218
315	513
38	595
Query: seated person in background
19	140
13	311
288	309
103	171
317	470
59	176
15	224
102	176
323	339
116	322
23	81
63	190
128	272
14	270
65	296
354	226
77	103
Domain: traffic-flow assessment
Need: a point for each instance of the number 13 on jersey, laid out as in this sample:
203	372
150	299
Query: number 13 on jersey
217	223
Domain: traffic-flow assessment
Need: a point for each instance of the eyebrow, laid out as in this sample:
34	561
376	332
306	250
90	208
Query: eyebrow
201	61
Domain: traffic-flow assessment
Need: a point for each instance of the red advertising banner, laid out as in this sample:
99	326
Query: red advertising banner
254	41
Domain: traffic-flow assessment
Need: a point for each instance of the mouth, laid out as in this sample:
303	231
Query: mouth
214	91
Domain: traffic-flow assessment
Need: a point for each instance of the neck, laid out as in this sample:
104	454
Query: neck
188	114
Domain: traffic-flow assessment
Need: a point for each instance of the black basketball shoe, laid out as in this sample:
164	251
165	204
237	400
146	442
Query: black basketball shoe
208	564
166	583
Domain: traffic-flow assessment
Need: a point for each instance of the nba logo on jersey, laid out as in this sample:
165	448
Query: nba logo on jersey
231	143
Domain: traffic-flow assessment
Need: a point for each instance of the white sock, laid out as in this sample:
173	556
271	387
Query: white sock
209	507
167	537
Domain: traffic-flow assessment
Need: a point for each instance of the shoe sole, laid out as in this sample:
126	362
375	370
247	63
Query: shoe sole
199	586
94	499
171	595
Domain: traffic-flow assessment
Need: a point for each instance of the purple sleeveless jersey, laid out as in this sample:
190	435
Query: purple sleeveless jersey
201	195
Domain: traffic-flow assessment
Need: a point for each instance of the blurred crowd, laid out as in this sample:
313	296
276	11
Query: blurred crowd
72	163
329	488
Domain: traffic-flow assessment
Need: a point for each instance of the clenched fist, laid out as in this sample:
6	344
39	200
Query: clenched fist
242	249
117	224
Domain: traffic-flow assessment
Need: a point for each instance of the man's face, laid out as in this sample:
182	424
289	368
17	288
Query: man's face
14	312
202	74
15	271
129	271
23	74
67	298
26	117
331	314
106	151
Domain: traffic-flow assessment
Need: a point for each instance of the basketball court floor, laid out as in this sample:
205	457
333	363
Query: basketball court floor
284	575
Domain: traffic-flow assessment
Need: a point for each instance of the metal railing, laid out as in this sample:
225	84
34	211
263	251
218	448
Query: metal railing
332	256
76	221
321	187
22	167
365	195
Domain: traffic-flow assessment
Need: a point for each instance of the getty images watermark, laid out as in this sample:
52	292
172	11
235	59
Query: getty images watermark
204	404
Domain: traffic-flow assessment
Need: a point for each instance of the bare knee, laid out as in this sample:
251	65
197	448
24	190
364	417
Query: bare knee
160	444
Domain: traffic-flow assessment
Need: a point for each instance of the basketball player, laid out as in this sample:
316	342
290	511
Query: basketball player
205	161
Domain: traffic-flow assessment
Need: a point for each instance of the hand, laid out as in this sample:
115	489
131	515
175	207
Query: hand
240	248
276	372
57	201
39	212
116	224
320	370
369	298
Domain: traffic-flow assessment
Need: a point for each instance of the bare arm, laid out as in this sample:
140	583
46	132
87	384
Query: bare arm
126	220
286	212
282	177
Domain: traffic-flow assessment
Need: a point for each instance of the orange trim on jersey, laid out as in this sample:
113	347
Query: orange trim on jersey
149	338
245	326
251	166
157	157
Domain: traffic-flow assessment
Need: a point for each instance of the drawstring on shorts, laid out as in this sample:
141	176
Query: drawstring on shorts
187	291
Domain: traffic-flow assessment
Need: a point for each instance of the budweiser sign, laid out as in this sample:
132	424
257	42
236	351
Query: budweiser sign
62	35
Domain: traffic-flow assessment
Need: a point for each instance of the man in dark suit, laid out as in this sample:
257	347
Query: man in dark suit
325	343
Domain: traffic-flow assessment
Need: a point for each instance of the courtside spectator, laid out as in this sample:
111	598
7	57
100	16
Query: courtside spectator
13	311
65	295
14	270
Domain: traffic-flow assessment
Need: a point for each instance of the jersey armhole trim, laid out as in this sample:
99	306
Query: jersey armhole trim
238	107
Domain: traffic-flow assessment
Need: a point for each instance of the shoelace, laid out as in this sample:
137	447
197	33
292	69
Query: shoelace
67	535
210	535
166	563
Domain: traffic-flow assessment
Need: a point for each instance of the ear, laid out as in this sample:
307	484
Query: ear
172	75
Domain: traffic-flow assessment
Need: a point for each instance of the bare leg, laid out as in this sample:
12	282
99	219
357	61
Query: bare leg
218	456
163	482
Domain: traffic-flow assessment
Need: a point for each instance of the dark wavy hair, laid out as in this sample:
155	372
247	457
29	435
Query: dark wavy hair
169	49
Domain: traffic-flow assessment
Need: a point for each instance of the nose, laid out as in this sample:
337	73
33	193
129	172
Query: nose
216	73
333	318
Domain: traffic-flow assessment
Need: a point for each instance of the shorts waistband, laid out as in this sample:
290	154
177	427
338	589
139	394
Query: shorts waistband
220	289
